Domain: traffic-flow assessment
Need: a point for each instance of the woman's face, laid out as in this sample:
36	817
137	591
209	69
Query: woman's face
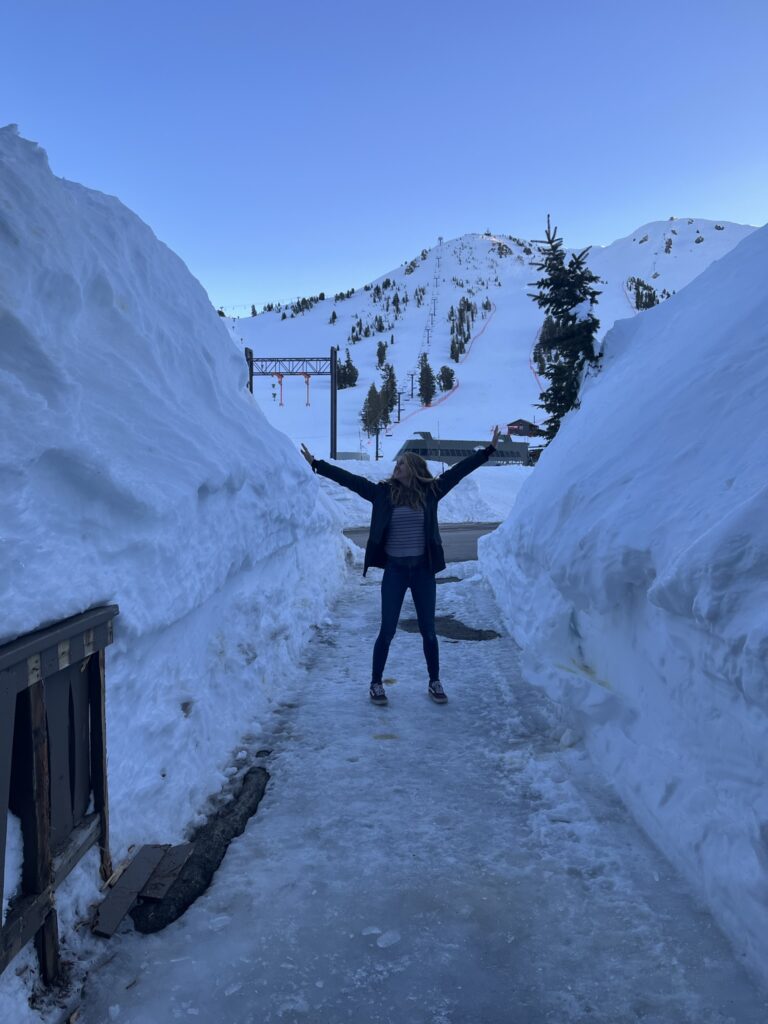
400	472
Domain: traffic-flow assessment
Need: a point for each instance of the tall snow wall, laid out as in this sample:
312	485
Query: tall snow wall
136	468
633	571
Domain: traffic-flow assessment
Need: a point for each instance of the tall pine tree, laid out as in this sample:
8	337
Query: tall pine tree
388	389
427	383
567	295
346	374
371	412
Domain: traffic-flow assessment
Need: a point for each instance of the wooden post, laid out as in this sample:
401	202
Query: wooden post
37	873
7	716
97	701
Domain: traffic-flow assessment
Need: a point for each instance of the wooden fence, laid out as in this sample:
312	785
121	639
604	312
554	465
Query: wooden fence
53	770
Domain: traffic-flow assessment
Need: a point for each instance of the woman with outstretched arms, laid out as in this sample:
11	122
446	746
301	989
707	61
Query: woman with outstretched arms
404	541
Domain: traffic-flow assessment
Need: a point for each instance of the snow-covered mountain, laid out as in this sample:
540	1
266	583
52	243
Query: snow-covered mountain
495	379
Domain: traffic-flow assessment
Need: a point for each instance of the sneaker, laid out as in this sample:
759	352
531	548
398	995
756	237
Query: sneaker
377	693
436	692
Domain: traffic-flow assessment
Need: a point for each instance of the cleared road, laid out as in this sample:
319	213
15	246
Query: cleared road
415	864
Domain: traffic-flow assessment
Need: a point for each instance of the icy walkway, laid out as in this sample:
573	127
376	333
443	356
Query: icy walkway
418	864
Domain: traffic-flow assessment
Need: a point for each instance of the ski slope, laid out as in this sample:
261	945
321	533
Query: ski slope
496	382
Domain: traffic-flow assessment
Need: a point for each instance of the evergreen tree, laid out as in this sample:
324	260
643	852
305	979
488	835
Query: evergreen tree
427	383
371	411
446	378
350	371
333	317
388	389
567	295
381	353
253	311
346	374
546	343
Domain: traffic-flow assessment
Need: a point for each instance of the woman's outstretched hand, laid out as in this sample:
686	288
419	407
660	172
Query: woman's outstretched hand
307	453
495	438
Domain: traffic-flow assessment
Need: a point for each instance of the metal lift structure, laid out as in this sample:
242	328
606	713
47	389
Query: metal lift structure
297	366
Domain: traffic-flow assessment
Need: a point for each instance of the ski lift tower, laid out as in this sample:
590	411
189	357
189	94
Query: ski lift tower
297	366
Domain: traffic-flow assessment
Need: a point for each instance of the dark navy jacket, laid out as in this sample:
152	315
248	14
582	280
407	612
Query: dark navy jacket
379	496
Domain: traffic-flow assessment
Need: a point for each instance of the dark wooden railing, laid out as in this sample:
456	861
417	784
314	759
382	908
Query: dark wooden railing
53	769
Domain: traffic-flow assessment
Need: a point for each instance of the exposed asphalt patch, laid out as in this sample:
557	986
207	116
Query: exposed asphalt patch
448	626
211	841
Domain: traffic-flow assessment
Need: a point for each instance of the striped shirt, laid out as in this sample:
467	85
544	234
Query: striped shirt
406	532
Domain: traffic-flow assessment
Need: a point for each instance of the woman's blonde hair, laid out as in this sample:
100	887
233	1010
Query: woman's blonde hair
418	482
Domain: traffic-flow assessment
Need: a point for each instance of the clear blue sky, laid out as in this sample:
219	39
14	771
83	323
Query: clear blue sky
285	148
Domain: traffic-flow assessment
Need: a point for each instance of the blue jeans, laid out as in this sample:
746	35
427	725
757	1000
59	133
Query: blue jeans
399	576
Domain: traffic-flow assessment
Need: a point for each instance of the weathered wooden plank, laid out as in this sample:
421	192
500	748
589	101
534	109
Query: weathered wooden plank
7	717
82	839
97	703
47	947
126	890
37	873
24	920
51	636
167	871
80	738
57	706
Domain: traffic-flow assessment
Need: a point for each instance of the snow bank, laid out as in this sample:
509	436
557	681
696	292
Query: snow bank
634	572
137	469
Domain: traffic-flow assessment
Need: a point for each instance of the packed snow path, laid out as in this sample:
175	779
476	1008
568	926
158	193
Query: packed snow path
419	864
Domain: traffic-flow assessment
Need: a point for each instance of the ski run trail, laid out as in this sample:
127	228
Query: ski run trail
424	864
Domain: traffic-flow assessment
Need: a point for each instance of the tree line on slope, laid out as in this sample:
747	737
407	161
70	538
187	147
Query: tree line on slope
379	404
